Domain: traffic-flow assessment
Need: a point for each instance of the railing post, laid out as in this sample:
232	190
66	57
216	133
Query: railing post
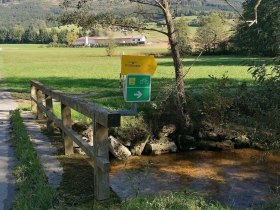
67	122
33	94
101	177
49	107
40	113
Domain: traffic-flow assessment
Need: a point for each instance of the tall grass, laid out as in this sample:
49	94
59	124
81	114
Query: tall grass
33	190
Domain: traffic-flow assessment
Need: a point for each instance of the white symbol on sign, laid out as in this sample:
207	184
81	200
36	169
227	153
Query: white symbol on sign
144	82
138	94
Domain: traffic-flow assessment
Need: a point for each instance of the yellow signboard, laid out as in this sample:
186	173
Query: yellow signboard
132	64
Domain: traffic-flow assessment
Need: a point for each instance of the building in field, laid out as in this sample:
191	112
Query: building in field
96	41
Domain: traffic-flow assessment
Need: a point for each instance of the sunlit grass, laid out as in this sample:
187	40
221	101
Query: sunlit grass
89	70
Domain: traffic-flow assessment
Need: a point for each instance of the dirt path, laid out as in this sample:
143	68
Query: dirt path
7	158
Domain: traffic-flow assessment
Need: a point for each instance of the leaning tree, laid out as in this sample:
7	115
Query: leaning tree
135	14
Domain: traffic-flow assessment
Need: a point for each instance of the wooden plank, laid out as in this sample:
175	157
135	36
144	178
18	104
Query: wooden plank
103	116
49	108
39	96
101	152
33	96
74	136
67	122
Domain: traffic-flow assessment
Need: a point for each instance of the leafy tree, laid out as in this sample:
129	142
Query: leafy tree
211	32
262	38
182	33
71	37
31	35
145	11
16	33
43	36
110	49
62	36
3	34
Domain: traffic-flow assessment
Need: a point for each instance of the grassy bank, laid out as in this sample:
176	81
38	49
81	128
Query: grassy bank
33	190
76	192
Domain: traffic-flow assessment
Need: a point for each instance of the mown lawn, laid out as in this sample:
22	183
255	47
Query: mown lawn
89	70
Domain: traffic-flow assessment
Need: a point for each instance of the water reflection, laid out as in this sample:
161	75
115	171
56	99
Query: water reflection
239	178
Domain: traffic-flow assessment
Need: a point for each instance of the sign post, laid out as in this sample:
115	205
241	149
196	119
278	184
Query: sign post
132	64
137	88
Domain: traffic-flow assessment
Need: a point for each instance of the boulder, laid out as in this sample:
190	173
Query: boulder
138	148
168	129
212	136
161	146
241	141
118	149
259	146
88	135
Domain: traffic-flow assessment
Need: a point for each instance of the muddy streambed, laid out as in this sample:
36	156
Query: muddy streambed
237	178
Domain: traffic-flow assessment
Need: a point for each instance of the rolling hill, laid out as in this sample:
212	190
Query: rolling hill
26	12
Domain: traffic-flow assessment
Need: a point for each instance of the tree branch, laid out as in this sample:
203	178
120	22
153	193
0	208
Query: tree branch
145	3
248	22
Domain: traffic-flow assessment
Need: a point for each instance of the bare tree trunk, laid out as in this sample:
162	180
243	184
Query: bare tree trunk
178	65
179	75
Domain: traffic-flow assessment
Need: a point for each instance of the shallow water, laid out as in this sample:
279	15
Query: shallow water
237	178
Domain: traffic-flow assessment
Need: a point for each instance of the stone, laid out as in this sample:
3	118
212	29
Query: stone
201	135
161	146
216	146
138	148
118	149
226	145
212	136
168	129
88	135
259	146
241	141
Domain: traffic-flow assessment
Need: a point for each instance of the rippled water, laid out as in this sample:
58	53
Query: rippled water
238	178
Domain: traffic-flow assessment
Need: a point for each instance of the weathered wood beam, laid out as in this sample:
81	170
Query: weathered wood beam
103	116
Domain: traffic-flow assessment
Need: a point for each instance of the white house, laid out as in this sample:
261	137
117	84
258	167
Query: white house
103	41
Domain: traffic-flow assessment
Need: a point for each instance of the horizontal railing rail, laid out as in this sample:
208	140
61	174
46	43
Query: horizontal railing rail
42	105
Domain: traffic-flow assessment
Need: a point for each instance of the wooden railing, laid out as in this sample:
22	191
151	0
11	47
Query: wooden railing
42	104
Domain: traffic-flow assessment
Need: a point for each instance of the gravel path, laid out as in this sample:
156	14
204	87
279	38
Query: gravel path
7	158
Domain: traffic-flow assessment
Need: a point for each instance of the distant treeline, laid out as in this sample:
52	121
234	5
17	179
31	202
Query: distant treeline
35	34
26	12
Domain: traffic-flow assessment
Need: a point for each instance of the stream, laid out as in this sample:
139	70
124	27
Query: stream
237	178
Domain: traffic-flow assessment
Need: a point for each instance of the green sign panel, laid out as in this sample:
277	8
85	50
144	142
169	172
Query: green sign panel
137	88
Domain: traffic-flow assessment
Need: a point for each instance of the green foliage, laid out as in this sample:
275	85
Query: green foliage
182	33
16	34
3	34
216	100
211	32
27	12
175	201
110	49
262	38
33	190
71	37
264	99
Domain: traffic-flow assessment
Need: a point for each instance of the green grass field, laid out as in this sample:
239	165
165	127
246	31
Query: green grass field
89	70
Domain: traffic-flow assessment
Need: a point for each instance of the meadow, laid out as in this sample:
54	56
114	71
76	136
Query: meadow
90	71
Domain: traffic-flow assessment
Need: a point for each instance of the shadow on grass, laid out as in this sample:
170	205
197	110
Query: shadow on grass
107	91
220	61
104	87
